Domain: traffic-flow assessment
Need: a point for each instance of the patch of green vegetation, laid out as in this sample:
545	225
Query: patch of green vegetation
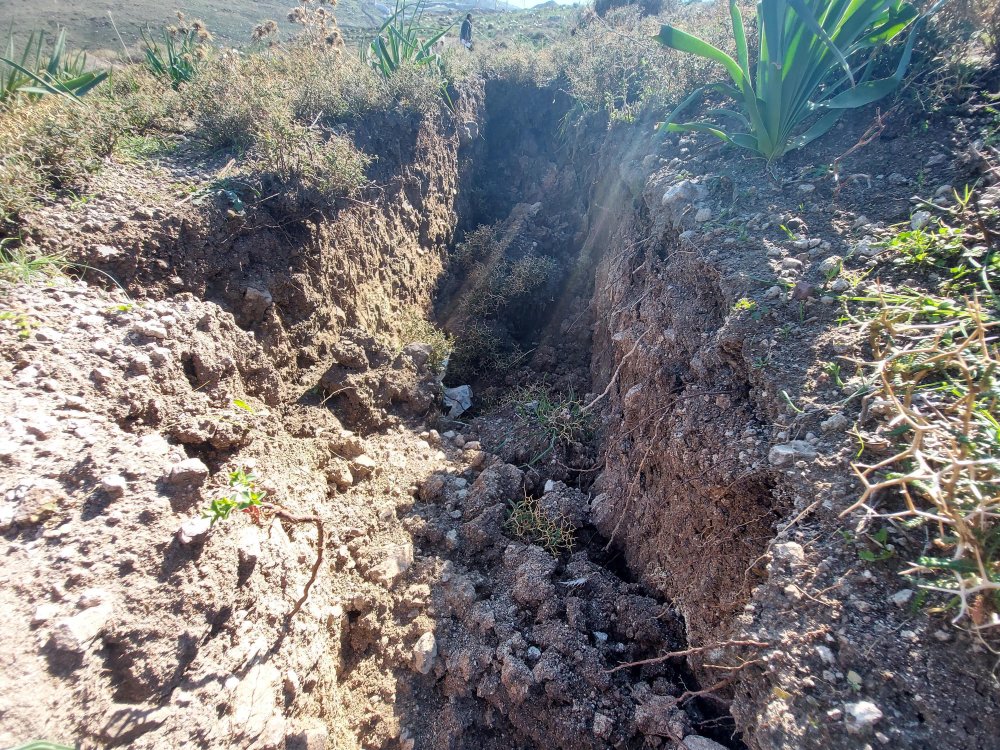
179	53
140	147
418	330
243	496
19	264
403	41
559	418
29	75
23	322
936	365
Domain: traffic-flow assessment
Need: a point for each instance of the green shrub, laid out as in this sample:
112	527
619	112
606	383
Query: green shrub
814	58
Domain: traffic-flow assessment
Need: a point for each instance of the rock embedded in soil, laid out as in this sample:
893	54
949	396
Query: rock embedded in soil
194	530
861	716
398	559
787	454
424	653
697	742
190	471
114	484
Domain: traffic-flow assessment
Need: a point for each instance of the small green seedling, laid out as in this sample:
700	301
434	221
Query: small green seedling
244	495
241	404
21	321
832	369
883	550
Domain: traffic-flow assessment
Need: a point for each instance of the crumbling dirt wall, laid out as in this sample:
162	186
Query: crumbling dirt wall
677	495
293	269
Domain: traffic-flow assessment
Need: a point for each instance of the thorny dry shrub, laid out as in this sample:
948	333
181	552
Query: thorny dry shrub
936	367
260	106
319	25
502	274
353	92
527	521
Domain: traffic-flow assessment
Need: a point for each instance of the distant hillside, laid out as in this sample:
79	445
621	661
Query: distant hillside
90	26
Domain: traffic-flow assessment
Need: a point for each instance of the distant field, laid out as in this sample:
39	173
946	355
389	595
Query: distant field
89	25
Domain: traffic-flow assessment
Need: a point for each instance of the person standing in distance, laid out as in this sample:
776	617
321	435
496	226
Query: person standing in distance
465	35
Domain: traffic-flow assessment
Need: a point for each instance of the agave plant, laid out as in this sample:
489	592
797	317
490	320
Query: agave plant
183	50
28	75
816	61
398	42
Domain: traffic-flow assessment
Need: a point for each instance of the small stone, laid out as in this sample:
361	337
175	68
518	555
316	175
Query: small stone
919	220
150	330
424	653
340	475
825	654
398	559
806	187
43	427
48	335
835	714
194	530
188	471
603	725
802	290
316	738
363	465
72	635
788	453
114	485
789	553
861	221
839	286
902	597
697	742
836	423
431	488
861	716
248	548
93	598
793	264
831	265
44	612
703	215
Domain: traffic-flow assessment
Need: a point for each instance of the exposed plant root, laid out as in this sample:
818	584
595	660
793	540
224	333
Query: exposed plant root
280	512
688	652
